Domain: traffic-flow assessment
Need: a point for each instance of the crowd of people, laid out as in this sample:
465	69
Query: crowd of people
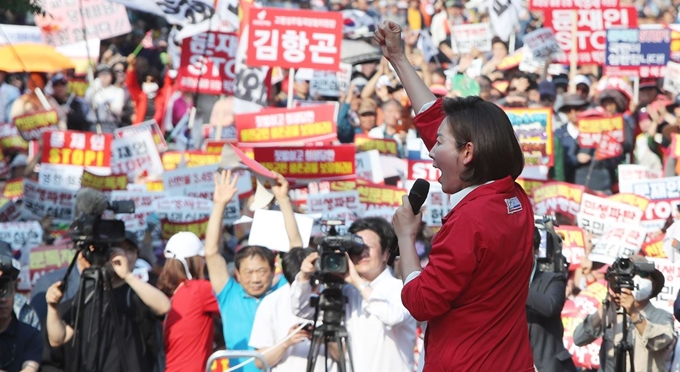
467	295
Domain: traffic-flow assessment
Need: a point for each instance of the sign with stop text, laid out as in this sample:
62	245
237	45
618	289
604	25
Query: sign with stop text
208	63
150	126
295	39
324	162
77	148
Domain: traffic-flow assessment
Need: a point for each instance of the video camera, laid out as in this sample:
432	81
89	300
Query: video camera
620	274
9	272
94	236
332	265
550	258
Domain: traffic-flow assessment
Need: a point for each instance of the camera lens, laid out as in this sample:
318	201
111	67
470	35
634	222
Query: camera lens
333	262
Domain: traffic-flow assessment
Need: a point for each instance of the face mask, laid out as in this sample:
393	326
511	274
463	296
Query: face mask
150	89
643	288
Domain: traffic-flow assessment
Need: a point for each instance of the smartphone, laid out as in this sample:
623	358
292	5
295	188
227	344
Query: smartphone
309	327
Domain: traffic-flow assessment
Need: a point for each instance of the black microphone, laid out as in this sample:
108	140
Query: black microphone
416	198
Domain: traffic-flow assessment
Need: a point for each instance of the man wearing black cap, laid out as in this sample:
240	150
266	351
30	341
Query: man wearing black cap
21	345
567	134
74	108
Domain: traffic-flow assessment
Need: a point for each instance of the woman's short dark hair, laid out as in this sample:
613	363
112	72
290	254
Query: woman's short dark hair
496	150
378	225
254	251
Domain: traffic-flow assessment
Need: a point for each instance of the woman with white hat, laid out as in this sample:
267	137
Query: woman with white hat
188	328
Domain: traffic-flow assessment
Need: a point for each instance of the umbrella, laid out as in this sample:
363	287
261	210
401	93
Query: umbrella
31	57
356	52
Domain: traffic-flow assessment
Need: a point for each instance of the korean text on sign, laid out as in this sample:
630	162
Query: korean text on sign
638	52
208	63
295	39
323	162
32	125
77	148
572	4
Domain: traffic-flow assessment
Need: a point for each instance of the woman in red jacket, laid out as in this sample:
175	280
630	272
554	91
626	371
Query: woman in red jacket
474	289
150	98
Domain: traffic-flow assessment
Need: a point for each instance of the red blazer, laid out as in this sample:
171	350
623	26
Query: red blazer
473	291
139	98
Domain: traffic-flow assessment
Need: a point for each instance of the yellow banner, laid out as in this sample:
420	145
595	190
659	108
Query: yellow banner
570	192
600	125
343	185
321	169
104	183
14	143
169	228
50	258
529	185
384	147
172	159
655	249
572	237
38	120
154	186
14	188
380	195
631	199
286	133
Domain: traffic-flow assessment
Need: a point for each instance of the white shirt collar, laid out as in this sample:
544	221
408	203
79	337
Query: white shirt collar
572	129
460	195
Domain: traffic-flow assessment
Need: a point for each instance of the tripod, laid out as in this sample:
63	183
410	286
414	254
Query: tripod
331	302
624	347
94	301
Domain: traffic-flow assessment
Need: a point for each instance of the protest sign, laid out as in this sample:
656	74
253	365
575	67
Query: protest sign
9	211
170	228
637	52
47	258
378	195
572	4
134	155
592	23
214	147
13	34
62	176
319	203
10	139
618	240
192	158
533	129
4	164
437	206
573	245
77	148
32	125
629	173
181	181
655	189
114	182
541	43
658	212
322	162
268	230
14	189
280	126
368	167
669	293
631	199
144	207
654	248
182	208
530	185
150	126
72	21
591	130
597	214
22	237
608	147
472	36
573	313
385	146
208	63
45	201
294	39
558	197
671	81
331	83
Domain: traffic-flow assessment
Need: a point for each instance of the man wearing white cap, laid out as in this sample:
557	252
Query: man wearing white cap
188	329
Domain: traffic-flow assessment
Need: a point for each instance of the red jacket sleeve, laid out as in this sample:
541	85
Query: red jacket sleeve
428	123
452	262
132	84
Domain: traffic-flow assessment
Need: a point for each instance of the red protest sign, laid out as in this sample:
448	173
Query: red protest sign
573	245
572	4
208	63
609	147
295	39
325	162
32	125
46	258
592	130
386	146
10	139
77	148
284	126
591	35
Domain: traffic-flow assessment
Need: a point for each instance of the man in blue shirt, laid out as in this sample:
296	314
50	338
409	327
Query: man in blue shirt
238	299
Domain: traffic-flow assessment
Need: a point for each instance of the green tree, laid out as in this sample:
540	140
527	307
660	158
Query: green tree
21	6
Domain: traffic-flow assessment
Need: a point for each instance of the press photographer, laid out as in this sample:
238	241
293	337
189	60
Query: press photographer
627	310
381	330
114	314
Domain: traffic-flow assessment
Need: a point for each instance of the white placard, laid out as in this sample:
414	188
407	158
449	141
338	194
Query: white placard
13	34
437	206
135	154
179	182
60	176
368	167
619	240
40	201
474	36
598	214
671	81
331	83
22	237
319	203
630	173
541	43
269	231
655	189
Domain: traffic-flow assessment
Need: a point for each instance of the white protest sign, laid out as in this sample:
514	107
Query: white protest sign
144	206
60	176
383	212
597	214
135	154
368	167
182	208
22	237
655	189
339	214
319	203
41	201
437	206
9	211
474	36
620	240
147	126
179	182
232	211
12	34
671	81
268	230
671	273
330	83
630	173
542	43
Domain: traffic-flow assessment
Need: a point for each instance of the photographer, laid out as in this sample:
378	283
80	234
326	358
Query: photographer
21	345
544	307
650	330
137	304
382	333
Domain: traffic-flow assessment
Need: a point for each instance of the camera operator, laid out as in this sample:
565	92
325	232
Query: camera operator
21	345
650	332
382	333
137	303
544	307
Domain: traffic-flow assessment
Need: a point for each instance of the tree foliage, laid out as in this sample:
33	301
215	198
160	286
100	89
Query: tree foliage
21	6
